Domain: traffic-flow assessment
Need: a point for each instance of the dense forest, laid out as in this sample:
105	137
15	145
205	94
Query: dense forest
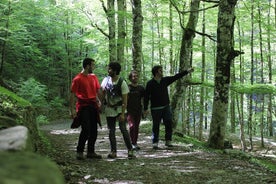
230	43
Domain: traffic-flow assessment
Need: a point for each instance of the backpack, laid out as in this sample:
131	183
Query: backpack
114	92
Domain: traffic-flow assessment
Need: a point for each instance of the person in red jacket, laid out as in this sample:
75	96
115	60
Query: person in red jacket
84	90
158	95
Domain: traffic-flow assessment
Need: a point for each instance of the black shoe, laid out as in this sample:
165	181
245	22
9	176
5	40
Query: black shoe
79	156
93	156
169	144
112	155
155	146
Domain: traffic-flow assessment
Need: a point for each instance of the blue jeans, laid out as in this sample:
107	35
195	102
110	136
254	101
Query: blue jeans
111	123
164	114
89	129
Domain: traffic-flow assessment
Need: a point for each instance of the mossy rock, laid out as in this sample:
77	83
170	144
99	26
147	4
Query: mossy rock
28	168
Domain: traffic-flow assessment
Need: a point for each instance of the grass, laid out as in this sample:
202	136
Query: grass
266	163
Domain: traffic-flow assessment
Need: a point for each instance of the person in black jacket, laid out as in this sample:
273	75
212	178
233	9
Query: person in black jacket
157	93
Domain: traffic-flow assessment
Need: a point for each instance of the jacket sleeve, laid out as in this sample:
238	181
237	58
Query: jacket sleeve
177	76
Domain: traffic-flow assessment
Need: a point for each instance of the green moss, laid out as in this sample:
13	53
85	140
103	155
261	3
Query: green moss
28	167
20	101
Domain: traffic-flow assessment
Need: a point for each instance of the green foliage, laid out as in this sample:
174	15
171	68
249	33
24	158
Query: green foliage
254	89
57	109
196	144
34	92
42	120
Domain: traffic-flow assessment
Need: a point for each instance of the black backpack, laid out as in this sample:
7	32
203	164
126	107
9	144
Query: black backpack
116	90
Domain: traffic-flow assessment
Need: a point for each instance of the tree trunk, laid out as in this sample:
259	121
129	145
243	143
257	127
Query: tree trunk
250	105
121	32
240	105
4	41
185	59
225	55
172	64
269	112
203	70
262	75
137	35
111	28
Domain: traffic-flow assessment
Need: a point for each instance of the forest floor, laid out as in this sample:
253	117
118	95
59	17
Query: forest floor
180	164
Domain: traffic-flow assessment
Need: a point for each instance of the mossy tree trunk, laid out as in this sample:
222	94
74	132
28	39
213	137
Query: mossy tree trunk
185	60
225	55
137	35
121	32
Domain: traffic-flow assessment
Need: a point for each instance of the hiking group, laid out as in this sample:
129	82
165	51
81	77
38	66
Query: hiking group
122	102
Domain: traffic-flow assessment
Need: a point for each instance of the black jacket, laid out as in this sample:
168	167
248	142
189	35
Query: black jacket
157	93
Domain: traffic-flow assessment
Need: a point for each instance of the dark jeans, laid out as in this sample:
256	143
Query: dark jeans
157	116
89	131
133	123
111	123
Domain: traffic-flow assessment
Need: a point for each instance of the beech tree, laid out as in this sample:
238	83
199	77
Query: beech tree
225	55
185	58
137	29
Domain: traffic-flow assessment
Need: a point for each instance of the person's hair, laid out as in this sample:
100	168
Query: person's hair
155	69
87	61
131	73
115	66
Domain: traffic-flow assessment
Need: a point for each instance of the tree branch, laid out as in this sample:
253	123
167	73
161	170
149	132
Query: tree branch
89	15
104	7
183	12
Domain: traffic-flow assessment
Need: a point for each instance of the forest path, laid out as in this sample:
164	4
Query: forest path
180	164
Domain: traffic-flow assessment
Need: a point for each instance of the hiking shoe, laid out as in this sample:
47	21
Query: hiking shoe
155	146
135	147
79	156
130	154
112	155
168	144
94	156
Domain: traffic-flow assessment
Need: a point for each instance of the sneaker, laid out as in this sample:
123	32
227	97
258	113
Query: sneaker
79	156
155	146
131	154
94	155
135	147
112	155
168	144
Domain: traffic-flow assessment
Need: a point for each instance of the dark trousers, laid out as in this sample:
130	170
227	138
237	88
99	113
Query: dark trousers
164	114
111	123
133	123
89	131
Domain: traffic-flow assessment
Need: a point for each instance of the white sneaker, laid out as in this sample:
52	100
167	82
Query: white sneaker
135	147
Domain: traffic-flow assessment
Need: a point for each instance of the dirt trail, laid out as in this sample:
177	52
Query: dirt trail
180	164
